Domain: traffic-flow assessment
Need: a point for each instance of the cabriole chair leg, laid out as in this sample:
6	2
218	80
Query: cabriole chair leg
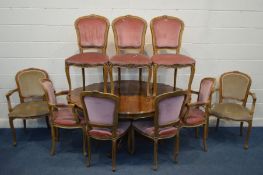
155	68
105	77
47	121
217	123
111	79
24	123
13	130
241	128
89	148
53	141
248	134
131	140
177	145
196	132
84	141
155	155
57	134
114	149
204	137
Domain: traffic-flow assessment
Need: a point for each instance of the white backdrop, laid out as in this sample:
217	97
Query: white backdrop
221	35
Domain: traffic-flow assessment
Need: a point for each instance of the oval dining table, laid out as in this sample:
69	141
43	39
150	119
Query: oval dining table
134	103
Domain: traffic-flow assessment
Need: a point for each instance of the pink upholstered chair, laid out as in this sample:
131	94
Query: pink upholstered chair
61	115
129	33
234	90
101	116
92	33
167	35
198	111
166	124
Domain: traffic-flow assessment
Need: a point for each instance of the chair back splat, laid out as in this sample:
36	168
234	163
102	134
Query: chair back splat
28	83
234	85
167	33
92	32
129	33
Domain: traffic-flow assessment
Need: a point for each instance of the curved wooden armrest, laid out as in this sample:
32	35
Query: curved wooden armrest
9	93
197	104
194	92
65	92
254	98
72	106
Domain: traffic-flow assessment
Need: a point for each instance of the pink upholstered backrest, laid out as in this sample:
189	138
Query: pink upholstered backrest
92	31
166	31
129	31
169	109
206	87
49	90
100	110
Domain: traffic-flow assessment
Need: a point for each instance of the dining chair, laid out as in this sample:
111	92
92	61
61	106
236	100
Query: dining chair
32	104
62	116
129	34
167	36
234	90
92	34
166	123
197	112
101	116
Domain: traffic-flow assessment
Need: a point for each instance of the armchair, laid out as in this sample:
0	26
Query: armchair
234	90
197	112
166	124
103	124
32	104
61	115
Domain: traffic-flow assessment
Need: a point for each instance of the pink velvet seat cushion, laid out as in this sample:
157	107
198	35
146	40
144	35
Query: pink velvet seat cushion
130	59
89	58
172	59
64	116
147	128
105	133
195	117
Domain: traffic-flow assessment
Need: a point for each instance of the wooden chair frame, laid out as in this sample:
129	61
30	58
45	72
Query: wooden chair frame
206	106
177	49
113	127
156	136
244	103
118	51
55	127
81	50
22	100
